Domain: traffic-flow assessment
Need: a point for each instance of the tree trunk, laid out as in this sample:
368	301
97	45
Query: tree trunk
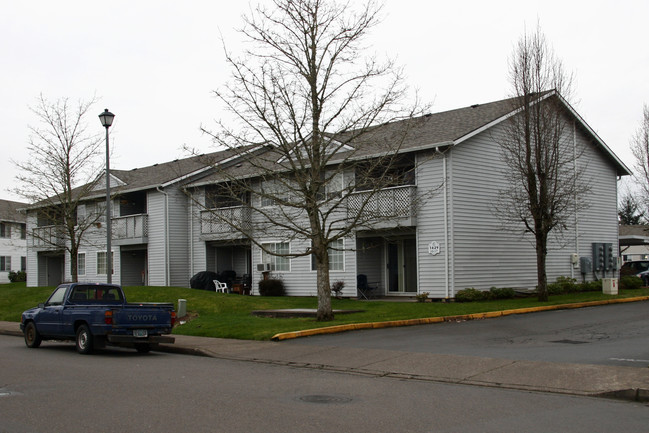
325	312
542	278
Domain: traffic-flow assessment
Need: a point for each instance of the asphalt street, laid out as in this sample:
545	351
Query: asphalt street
616	335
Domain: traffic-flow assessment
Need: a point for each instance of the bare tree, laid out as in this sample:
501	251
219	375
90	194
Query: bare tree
60	173
307	94
545	184
640	149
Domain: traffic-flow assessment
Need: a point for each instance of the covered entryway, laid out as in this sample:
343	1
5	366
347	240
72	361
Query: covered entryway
389	260
50	268
133	266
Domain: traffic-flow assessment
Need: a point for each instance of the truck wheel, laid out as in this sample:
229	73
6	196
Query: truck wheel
84	340
32	337
143	347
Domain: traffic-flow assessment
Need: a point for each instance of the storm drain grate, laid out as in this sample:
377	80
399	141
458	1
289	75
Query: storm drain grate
324	399
569	342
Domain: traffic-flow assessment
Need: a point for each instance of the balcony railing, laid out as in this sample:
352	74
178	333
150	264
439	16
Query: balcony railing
131	227
213	221
392	203
50	237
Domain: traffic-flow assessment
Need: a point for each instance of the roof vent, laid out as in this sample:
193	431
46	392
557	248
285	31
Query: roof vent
475	105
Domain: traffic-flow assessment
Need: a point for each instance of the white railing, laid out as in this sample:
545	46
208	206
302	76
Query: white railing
213	221
131	226
393	202
48	237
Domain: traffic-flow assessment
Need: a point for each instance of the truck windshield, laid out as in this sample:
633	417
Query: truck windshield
95	294
57	297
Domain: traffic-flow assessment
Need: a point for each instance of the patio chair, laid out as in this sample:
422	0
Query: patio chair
364	289
220	287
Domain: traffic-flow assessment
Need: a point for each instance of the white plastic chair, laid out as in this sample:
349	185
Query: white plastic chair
220	287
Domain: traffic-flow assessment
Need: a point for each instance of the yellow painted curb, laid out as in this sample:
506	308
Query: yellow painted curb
429	320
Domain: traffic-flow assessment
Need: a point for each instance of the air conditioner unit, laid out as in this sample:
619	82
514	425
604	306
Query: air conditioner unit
264	267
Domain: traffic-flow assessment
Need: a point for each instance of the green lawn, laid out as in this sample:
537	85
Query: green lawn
228	316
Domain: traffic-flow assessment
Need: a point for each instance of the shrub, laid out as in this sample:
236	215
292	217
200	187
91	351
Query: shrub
591	286
17	277
471	295
630	282
502	293
422	297
337	288
272	287
563	285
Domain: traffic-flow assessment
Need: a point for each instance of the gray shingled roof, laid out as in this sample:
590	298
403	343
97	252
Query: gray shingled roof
9	211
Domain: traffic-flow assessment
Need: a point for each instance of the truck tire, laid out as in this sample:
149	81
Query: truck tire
143	347
84	341
32	337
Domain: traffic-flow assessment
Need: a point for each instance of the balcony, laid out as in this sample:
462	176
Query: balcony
389	207
131	229
48	238
215	227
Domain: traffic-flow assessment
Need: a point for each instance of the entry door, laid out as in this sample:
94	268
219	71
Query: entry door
402	266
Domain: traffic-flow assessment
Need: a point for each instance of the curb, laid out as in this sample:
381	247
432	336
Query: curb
430	320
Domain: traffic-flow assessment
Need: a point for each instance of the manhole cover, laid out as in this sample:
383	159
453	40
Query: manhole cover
569	342
325	399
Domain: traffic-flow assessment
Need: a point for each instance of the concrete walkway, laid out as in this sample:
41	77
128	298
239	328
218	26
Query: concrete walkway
628	383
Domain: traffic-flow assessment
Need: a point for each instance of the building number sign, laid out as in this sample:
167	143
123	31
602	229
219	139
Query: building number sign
433	248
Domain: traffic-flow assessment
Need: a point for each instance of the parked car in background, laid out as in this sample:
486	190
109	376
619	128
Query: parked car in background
638	268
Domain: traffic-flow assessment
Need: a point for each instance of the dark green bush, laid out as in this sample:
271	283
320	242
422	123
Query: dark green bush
471	295
17	277
502	293
630	282
591	286
272	287
563	285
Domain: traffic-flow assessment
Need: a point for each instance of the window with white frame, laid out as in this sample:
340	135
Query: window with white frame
335	185
23	263
81	263
5	263
101	262
277	262
336	256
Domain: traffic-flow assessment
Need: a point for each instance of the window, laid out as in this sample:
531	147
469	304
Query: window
23	231
275	190
336	257
101	263
81	263
23	264
5	263
5	230
278	263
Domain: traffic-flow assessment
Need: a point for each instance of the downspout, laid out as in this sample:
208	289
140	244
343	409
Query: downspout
191	237
446	246
166	232
574	167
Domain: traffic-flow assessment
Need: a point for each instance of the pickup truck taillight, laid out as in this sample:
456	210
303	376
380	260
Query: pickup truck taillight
173	318
108	317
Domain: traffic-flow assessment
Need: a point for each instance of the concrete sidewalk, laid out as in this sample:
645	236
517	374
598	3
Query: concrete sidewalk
628	383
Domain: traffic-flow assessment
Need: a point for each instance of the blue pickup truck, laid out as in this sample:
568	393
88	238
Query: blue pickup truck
94	315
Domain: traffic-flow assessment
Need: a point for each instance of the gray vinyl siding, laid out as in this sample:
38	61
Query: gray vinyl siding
178	238
430	225
157	239
484	254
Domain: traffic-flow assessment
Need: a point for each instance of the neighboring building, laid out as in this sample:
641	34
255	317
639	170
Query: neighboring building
450	242
634	242
13	239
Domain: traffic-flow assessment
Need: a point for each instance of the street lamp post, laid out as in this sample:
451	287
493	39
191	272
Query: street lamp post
106	119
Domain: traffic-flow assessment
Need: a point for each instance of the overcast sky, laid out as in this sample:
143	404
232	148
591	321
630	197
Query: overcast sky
155	63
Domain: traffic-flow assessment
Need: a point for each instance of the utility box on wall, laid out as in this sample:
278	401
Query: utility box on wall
609	286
